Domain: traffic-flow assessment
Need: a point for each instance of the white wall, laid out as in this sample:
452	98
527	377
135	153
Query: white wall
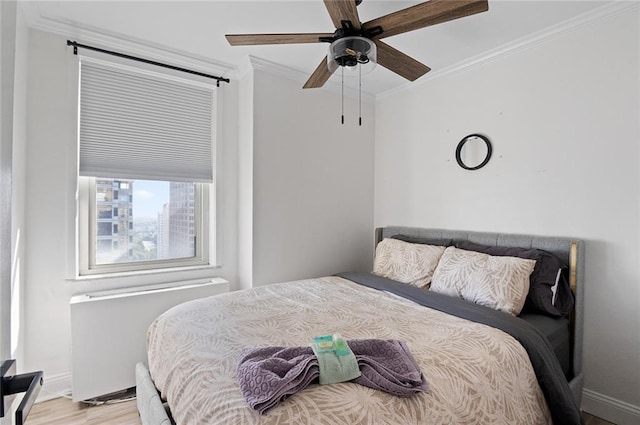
563	119
50	159
312	182
227	152
245	181
14	52
7	68
18	195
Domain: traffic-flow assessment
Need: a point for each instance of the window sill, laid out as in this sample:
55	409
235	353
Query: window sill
112	281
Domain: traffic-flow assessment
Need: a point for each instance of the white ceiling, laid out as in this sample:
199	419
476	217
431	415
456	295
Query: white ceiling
197	28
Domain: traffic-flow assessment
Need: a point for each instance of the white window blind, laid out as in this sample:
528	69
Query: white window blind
142	125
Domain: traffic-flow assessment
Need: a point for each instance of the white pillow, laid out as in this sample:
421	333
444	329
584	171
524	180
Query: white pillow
501	283
411	263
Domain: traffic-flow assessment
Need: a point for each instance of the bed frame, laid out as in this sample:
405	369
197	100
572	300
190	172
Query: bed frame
570	251
154	412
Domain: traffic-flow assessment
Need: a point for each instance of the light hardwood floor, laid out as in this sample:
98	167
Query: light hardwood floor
62	411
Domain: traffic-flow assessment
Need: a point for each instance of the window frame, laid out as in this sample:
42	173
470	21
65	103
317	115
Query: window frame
87	235
208	240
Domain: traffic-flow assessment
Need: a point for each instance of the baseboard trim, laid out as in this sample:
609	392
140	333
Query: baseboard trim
55	386
609	408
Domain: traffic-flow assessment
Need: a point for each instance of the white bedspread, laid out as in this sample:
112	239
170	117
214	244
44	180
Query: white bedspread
477	374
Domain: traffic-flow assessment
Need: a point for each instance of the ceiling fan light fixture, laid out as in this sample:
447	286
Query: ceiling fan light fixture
349	52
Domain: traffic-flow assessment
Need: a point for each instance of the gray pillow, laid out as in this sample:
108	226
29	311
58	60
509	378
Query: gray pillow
426	241
547	273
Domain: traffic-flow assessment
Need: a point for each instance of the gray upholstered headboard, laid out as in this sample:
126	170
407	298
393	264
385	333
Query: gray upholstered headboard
571	251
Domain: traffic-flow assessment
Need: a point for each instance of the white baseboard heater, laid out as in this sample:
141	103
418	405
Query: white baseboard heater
109	329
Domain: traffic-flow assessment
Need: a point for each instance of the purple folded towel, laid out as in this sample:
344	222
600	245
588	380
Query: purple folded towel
387	365
268	375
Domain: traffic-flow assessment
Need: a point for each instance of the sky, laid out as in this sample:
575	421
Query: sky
149	197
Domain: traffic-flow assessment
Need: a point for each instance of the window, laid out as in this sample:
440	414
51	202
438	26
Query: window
104	229
157	228
105	212
146	168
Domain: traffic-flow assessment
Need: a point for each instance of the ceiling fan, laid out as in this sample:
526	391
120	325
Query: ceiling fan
354	43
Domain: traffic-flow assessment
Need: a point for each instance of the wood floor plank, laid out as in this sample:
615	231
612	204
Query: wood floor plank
62	411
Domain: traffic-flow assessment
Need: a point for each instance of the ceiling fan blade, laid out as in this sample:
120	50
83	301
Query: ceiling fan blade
319	76
254	39
424	15
396	61
343	10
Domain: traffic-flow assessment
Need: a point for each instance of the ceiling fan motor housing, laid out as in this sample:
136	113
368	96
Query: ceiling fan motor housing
348	52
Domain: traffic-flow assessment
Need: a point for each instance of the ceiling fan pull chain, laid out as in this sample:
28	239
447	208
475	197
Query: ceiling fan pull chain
342	94
360	94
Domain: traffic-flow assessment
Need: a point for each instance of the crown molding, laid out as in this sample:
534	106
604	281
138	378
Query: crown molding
112	41
301	77
523	44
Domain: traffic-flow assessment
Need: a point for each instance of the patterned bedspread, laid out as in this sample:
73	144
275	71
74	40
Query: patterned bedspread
477	374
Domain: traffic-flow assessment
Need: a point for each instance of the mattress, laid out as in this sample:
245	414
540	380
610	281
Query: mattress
477	374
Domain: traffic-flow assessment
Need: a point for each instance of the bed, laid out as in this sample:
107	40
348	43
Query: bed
481	365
